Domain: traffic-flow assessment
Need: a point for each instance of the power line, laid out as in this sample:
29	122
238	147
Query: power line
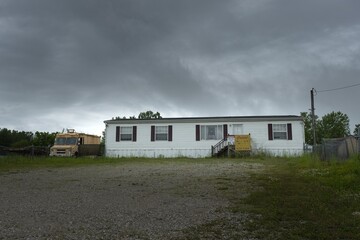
334	89
314	92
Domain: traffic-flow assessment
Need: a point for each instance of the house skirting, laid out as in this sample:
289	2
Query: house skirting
191	153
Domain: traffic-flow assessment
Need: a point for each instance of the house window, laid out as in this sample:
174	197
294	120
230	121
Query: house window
126	133
280	131
211	132
161	133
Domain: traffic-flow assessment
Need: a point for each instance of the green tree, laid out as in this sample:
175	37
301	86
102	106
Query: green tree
44	139
357	129
14	138
149	115
21	139
5	137
333	125
308	127
21	143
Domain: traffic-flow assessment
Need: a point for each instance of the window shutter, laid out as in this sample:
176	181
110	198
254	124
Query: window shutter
170	133
197	132
117	134
270	131
289	131
225	129
134	133
153	133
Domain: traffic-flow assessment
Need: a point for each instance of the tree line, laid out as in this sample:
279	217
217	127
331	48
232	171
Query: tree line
142	115
331	125
19	139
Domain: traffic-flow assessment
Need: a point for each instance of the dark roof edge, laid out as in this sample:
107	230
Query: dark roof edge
211	119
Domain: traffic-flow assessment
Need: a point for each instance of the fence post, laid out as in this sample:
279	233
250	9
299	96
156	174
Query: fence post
228	149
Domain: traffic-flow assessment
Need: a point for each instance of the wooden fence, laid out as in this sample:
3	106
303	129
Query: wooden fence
339	148
30	150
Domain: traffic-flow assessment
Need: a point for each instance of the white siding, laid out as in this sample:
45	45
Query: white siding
261	143
184	142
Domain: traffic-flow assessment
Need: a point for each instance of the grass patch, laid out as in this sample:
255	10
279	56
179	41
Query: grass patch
9	163
304	198
21	162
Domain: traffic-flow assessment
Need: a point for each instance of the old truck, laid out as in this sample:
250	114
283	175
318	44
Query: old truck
75	144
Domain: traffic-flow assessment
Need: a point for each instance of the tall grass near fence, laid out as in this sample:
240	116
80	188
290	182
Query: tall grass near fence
305	198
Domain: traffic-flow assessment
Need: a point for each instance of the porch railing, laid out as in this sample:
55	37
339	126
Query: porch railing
218	147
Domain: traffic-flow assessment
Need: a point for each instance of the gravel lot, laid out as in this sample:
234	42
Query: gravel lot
123	201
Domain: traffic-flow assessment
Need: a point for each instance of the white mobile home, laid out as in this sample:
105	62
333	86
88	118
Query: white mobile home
195	136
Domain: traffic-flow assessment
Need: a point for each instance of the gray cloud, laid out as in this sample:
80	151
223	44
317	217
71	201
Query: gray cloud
77	63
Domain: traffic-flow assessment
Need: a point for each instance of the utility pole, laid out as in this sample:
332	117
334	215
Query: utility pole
313	117
358	140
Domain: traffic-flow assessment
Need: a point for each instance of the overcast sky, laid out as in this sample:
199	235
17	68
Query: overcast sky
76	63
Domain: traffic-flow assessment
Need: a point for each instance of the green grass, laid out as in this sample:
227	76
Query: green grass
9	163
304	198
293	198
21	162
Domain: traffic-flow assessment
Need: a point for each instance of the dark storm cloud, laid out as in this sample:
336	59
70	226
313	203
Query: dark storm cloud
77	63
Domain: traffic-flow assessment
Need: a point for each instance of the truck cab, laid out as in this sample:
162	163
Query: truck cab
69	144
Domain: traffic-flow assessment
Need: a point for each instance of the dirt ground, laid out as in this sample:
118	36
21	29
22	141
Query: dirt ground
174	200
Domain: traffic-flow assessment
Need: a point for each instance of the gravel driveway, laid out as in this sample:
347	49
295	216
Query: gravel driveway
123	201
